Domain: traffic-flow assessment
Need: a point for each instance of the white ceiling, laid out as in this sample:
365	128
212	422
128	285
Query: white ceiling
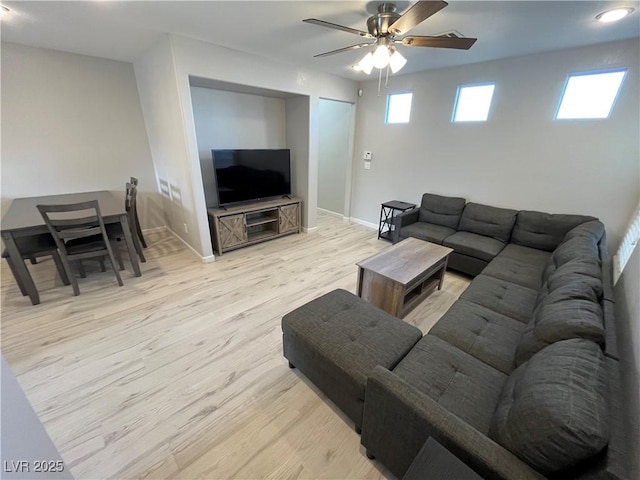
122	30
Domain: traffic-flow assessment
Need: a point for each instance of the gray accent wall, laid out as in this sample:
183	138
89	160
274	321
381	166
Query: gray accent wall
627	295
73	123
230	120
521	157
335	151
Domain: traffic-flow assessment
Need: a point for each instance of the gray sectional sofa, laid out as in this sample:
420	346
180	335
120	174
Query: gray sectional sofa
518	379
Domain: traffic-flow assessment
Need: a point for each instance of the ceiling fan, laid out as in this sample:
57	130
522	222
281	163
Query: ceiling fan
385	25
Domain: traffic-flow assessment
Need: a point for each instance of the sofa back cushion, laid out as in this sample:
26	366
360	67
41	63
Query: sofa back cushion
570	311
552	412
488	221
544	231
441	210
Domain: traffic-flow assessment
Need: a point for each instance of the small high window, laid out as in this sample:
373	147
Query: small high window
590	95
398	107
473	103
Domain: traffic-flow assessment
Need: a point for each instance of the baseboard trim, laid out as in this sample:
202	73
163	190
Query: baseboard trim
364	223
330	212
207	259
309	230
154	229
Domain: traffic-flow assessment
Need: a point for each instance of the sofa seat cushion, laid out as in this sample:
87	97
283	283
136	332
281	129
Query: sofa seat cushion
484	334
474	245
571	311
427	231
553	410
504	297
488	221
544	231
525	274
522	254
440	210
338	338
460	383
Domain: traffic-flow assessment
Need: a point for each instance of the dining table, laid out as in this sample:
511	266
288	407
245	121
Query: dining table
23	220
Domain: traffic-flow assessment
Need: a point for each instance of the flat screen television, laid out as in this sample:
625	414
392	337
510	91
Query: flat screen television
244	175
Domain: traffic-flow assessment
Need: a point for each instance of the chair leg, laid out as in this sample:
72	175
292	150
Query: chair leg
72	278
139	231
12	267
60	267
138	246
80	267
102	267
113	264
118	254
33	260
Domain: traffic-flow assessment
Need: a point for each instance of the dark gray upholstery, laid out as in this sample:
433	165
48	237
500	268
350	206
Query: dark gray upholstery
504	297
570	311
549	290
544	231
335	341
482	333
439	210
474	245
459	382
488	221
525	254
426	231
559	394
525	274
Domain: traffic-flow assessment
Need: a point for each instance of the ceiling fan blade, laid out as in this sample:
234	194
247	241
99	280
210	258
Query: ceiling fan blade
461	43
345	49
335	26
415	15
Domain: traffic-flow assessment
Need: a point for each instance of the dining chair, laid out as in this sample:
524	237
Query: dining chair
114	230
31	248
134	206
79	232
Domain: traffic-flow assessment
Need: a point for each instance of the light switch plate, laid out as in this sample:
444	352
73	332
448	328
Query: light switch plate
367	165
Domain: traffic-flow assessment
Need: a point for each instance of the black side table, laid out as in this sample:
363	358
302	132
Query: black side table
387	212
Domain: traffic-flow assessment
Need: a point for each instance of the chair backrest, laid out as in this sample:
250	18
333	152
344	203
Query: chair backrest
134	181
66	223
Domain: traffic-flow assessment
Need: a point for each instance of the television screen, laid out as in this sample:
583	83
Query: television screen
243	175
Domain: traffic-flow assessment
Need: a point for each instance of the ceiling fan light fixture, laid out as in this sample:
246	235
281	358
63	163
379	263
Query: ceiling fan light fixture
366	64
381	56
396	61
613	15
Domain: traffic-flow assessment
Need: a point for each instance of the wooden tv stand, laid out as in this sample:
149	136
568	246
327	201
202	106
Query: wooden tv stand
243	225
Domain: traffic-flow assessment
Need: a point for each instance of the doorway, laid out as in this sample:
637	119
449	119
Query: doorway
334	156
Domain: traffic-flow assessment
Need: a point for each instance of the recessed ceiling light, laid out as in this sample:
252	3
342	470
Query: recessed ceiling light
613	15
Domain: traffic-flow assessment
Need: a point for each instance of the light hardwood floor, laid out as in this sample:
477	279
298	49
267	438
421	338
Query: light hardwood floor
180	373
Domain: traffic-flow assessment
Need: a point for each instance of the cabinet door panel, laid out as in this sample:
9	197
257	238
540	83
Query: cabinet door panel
233	230
289	218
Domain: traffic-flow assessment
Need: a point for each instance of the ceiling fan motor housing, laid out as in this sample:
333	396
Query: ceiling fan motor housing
379	23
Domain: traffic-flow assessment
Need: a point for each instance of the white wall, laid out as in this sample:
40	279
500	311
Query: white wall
298	121
521	157
230	120
334	154
72	123
181	57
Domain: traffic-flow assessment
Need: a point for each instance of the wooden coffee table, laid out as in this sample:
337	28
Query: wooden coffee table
399	278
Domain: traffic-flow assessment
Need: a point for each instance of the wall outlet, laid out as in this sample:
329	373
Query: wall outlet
367	165
186	229
367	155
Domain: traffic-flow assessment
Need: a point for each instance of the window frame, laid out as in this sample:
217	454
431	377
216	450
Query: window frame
457	100
386	112
625	70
